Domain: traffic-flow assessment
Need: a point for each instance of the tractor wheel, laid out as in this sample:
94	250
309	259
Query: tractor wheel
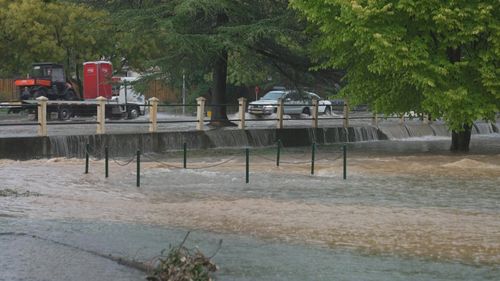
40	92
70	95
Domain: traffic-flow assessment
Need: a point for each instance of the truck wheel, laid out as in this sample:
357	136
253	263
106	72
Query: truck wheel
306	111
64	113
328	110
133	112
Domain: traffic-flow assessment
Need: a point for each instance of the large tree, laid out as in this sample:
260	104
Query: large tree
64	32
35	30
441	57
239	40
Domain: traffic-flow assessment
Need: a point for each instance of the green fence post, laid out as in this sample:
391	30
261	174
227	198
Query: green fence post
185	155
87	149
138	184
313	154
247	152
106	161
278	152
344	148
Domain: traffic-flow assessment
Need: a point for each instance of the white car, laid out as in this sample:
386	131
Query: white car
295	103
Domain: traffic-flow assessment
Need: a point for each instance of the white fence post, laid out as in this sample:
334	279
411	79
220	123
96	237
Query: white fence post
200	113
375	119
243	105
101	115
346	113
153	115
279	112
315	112
427	119
42	116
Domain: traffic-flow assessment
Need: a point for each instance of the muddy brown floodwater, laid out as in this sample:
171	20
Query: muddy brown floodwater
443	207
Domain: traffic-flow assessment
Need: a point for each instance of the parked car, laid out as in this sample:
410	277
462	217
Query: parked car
295	103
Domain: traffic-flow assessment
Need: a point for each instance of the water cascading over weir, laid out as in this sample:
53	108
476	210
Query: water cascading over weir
124	145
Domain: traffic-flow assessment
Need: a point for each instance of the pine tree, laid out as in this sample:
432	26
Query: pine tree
222	39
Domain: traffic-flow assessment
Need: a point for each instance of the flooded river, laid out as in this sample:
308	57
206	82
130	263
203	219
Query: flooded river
409	210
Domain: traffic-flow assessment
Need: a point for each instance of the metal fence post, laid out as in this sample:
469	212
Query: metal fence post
247	170
42	116
138	182
346	113
243	106
200	113
314	112
278	153
279	112
87	149
313	156
344	148
185	155
106	161
153	115
101	115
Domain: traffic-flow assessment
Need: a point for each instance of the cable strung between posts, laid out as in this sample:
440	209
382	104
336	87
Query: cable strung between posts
162	163
197	168
265	158
304	154
326	157
281	161
214	165
124	163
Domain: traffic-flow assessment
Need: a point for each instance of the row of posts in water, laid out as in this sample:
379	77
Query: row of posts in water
247	161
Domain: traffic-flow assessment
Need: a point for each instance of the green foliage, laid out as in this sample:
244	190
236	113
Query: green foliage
35	31
68	33
263	39
441	57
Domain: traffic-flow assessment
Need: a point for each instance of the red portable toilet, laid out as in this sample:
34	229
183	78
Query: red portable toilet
97	79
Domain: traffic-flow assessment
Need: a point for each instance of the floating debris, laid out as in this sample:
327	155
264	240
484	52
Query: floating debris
14	193
182	264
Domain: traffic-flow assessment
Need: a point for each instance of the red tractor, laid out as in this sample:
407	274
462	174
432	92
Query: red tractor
48	80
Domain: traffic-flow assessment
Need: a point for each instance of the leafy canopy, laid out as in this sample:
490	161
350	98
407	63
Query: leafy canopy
440	57
263	38
36	30
64	32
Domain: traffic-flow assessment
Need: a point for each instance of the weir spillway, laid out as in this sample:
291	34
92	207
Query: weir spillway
125	144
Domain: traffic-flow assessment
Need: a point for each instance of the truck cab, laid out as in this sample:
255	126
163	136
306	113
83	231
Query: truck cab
125	94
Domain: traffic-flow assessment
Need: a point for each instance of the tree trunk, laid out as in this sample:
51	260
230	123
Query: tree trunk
460	140
218	99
